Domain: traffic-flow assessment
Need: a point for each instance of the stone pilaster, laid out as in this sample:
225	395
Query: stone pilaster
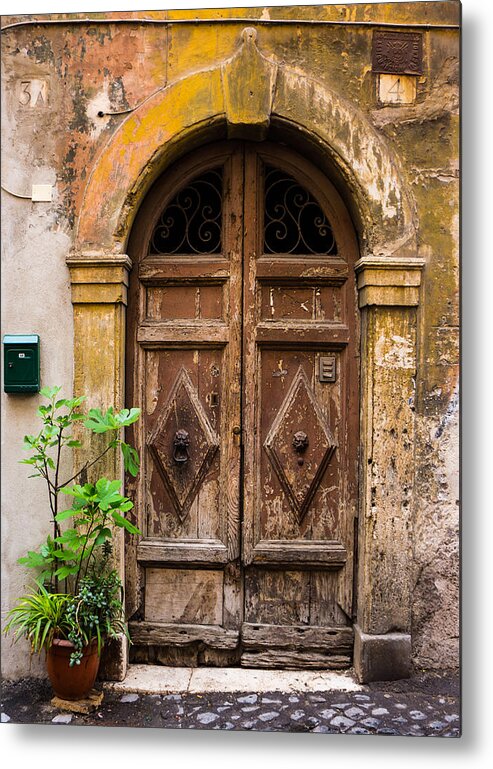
99	297
388	298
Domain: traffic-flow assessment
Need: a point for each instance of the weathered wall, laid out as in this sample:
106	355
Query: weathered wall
35	299
58	77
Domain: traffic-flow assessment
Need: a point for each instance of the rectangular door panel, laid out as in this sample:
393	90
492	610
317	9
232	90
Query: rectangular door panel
306	303
184	302
298	448
184	392
291	597
187	596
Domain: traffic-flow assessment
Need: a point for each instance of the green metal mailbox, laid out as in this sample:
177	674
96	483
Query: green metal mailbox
21	363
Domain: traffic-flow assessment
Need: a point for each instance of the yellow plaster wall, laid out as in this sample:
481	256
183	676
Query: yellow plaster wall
396	166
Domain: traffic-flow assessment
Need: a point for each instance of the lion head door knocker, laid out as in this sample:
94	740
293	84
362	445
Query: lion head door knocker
181	442
300	445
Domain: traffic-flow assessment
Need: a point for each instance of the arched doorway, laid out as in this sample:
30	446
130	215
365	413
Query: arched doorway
242	351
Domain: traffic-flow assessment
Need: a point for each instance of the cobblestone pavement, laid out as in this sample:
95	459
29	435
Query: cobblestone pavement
423	706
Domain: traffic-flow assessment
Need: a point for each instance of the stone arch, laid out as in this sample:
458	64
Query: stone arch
204	104
242	97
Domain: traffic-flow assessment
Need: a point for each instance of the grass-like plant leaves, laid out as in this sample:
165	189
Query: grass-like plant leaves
39	616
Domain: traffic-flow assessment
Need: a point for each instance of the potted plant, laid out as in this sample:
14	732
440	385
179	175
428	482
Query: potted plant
76	600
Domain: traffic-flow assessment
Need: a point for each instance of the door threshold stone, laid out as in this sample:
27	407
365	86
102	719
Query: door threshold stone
159	679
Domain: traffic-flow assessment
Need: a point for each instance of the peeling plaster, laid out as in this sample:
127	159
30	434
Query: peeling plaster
394	353
361	145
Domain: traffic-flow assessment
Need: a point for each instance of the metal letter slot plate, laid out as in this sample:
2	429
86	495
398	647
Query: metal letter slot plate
327	370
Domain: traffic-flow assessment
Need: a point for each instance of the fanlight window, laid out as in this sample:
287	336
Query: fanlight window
191	222
294	223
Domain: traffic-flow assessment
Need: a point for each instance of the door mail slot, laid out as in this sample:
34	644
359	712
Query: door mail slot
327	370
21	363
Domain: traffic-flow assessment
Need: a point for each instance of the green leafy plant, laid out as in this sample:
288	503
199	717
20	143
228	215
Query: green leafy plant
77	552
97	507
95	612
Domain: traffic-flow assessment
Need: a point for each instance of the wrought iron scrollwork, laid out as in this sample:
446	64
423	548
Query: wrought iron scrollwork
294	223
191	222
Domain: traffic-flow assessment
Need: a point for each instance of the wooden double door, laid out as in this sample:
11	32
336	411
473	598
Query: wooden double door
242	351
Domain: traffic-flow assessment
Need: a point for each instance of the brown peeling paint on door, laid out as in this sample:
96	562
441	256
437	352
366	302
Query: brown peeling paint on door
242	351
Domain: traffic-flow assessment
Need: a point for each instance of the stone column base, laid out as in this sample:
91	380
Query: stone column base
114	659
384	657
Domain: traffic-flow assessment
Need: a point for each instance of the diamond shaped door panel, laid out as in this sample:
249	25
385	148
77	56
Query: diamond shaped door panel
184	466
299	457
300	449
183	444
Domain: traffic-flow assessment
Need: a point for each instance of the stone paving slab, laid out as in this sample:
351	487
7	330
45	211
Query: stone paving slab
153	678
159	678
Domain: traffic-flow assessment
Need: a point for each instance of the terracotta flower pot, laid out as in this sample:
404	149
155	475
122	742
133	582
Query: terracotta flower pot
71	683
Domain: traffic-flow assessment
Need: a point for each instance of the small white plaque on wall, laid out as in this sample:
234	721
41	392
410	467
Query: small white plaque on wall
33	93
396	89
42	193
